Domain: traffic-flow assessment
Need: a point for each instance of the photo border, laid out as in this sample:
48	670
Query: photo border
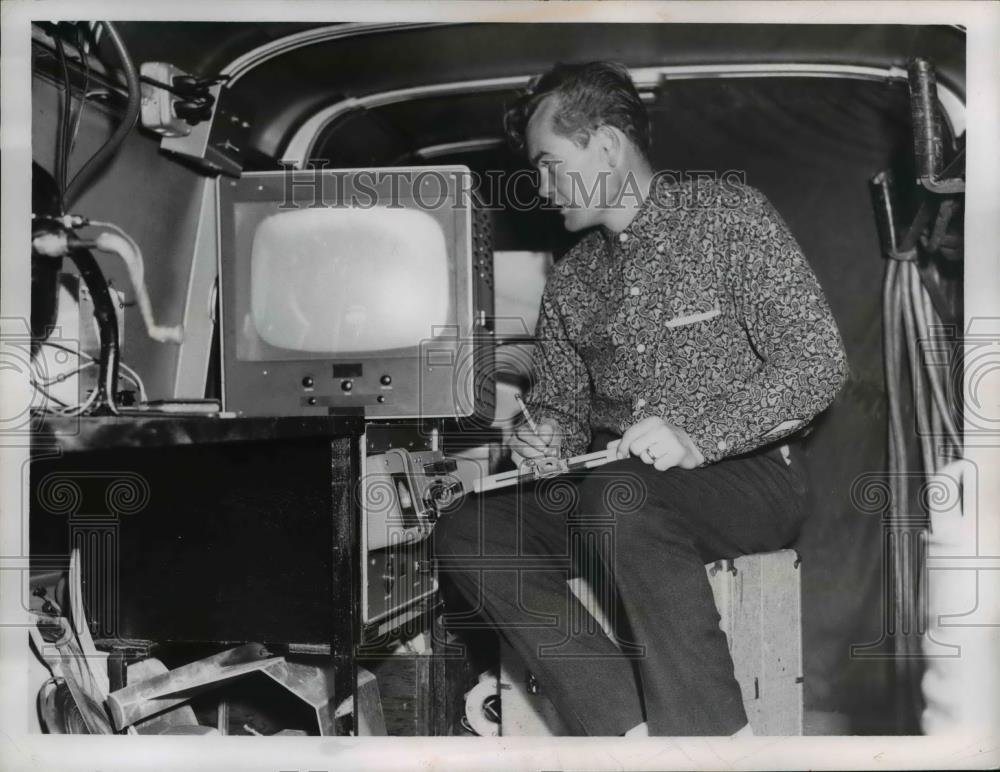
20	750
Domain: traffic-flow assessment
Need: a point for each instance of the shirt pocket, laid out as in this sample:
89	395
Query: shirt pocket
695	355
692	318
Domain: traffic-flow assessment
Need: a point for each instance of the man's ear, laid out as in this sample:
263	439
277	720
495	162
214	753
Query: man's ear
611	144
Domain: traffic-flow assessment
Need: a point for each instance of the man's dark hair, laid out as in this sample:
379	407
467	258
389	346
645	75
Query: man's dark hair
589	96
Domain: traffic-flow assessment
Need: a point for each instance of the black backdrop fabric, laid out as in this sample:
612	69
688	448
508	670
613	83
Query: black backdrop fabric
812	145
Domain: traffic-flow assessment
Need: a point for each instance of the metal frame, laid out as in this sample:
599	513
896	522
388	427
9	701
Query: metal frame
300	146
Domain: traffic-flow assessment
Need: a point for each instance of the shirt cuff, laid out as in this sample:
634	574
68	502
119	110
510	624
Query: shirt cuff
715	439
575	440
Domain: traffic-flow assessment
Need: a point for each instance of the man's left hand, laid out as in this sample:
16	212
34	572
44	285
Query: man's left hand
660	444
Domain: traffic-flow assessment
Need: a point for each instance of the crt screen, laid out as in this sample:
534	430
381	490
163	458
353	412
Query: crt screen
346	281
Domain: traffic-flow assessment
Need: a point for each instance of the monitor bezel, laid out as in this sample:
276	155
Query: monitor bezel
283	374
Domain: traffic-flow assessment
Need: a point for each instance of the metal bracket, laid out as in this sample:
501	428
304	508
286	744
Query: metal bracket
310	683
162	692
943	187
541	468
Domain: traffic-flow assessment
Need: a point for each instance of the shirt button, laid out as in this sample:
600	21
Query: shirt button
660	248
641	347
640	403
634	291
623	237
722	445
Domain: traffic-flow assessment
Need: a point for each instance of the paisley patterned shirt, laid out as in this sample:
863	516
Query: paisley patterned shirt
703	311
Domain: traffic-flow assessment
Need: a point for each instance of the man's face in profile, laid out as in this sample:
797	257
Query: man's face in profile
573	178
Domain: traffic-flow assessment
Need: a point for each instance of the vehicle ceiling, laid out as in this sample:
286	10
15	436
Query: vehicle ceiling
288	88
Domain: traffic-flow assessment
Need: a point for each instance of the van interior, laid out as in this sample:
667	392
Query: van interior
242	433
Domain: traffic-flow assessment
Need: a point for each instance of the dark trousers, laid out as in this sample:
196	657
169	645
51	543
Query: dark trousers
641	538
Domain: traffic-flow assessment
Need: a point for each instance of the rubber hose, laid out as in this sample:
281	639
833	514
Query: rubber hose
107	326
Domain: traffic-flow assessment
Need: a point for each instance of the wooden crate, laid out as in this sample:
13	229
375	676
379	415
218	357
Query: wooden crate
759	602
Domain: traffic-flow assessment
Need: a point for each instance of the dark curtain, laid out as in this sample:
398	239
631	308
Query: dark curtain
811	145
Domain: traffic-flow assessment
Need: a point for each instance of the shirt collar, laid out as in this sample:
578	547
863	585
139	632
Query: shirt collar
659	192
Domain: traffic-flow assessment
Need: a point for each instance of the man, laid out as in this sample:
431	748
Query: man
687	328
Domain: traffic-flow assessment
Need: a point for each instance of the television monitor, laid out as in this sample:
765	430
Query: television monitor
355	290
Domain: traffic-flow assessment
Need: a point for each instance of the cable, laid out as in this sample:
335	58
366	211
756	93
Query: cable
910	320
61	347
898	556
110	380
192	85
929	321
111	145
125	247
40	382
133	376
63	376
81	45
64	408
62	145
88	361
130	373
40	388
85	406
897	482
120	231
917	374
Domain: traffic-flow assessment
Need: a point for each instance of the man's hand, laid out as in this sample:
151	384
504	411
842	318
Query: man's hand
658	443
526	444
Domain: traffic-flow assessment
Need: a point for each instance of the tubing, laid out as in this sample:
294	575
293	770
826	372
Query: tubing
107	325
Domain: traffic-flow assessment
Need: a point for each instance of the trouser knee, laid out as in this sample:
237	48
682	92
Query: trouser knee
457	531
619	498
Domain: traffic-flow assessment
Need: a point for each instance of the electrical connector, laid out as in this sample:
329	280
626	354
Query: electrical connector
71	221
53	244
